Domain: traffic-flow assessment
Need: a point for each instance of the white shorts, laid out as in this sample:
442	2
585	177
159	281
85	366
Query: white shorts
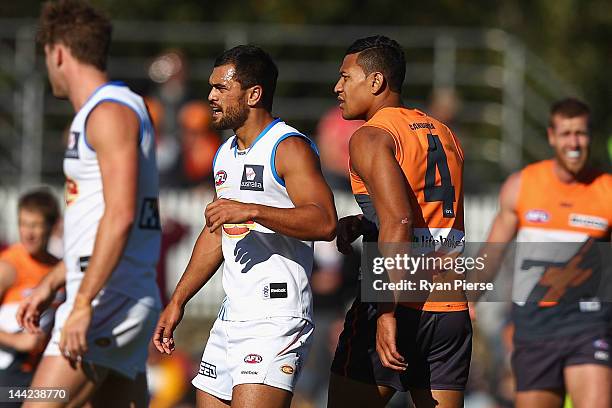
119	335
267	351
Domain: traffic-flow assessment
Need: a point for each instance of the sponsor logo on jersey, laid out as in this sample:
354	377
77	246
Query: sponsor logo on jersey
72	148
84	263
238	230
422	125
601	355
253	359
149	214
252	177
71	191
220	177
249	372
287	369
275	290
588	221
601	344
539	216
208	370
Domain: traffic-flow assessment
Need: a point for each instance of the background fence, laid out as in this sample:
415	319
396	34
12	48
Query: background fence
187	208
499	90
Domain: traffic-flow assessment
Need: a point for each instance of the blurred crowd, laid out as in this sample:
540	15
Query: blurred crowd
186	145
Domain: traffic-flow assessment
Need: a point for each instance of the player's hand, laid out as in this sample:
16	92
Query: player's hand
386	335
31	307
347	231
223	211
163	335
73	339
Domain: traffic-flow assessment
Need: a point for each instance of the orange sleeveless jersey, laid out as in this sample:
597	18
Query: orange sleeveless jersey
548	209
28	272
431	159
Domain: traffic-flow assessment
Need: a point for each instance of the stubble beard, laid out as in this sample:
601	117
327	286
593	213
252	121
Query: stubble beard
232	118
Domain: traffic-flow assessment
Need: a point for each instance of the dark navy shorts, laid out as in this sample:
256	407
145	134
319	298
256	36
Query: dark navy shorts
539	364
436	345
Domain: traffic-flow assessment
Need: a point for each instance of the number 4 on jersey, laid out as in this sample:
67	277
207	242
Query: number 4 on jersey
445	192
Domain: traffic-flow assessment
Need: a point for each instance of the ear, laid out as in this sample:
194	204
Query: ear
377	82
57	54
254	95
551	136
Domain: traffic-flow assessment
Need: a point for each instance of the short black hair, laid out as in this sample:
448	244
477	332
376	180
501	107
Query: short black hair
381	54
253	67
569	108
41	201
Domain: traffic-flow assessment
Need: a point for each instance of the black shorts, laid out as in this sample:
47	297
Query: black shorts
436	345
539	364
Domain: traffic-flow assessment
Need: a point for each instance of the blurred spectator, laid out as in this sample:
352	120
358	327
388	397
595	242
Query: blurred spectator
169	71
168	378
167	146
22	266
172	233
333	134
199	143
444	105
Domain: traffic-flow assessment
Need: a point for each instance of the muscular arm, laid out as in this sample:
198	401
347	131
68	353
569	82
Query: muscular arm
7	277
503	229
22	342
112	130
56	278
373	159
314	216
205	260
372	153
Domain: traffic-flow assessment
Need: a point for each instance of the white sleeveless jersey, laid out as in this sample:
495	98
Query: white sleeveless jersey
265	274
135	274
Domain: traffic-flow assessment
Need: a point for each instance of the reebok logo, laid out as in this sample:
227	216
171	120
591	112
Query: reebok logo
275	290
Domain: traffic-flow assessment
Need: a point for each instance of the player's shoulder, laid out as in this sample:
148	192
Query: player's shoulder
369	138
13	251
109	121
602	179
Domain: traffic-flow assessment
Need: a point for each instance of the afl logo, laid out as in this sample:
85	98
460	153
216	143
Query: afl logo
287	369
220	177
539	216
238	230
253	359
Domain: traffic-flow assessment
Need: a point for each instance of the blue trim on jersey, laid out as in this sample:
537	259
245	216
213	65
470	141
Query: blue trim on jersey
116	83
262	134
140	121
218	150
313	146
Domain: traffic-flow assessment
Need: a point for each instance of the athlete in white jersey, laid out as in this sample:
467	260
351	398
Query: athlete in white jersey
271	203
98	347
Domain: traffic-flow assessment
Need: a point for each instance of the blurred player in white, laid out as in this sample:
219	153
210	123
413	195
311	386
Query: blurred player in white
99	343
271	203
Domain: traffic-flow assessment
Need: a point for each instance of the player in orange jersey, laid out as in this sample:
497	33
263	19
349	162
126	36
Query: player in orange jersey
406	174
22	266
562	333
